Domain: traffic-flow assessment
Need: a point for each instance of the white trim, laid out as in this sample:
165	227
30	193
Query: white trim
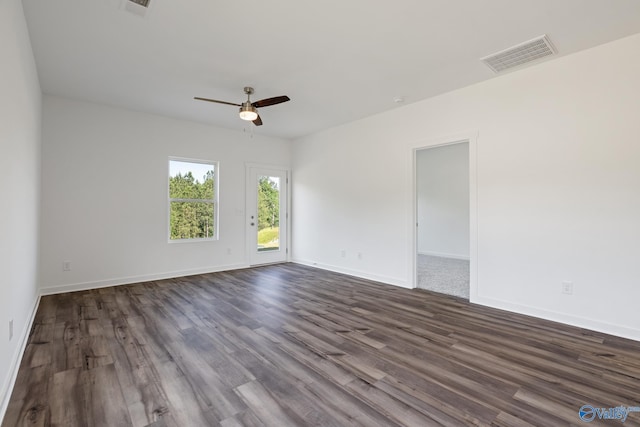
579	322
51	290
471	137
443	255
356	273
7	387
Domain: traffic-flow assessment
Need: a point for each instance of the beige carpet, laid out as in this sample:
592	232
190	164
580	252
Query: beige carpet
444	275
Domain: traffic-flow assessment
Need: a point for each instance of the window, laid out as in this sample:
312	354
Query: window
268	213
193	200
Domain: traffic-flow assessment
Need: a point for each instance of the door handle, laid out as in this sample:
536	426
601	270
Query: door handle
252	224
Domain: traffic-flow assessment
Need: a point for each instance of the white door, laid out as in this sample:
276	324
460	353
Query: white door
267	215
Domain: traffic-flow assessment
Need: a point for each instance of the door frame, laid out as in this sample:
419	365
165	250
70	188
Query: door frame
471	137
249	242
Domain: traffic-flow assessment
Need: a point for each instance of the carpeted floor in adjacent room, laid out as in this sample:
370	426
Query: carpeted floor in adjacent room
444	275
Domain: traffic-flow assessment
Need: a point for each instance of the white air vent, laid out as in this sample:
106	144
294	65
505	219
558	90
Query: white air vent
523	53
137	7
143	3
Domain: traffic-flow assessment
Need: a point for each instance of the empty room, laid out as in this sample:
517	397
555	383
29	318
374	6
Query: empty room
407	213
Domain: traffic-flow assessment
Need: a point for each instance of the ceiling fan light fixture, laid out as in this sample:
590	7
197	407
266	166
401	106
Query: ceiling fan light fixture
248	112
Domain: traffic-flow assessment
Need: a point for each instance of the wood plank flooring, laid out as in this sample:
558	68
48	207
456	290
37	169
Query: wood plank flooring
288	345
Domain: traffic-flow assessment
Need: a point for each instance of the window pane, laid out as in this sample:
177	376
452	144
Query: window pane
268	213
192	220
189	180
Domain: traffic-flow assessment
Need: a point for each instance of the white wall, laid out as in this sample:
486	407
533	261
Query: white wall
20	107
105	194
442	190
558	182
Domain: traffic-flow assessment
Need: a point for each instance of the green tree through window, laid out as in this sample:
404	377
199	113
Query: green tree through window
268	213
268	203
192	200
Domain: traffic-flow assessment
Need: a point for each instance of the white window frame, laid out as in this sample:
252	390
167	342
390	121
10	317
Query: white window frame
214	201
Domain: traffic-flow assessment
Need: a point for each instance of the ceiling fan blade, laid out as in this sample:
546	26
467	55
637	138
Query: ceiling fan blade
216	101
258	121
270	101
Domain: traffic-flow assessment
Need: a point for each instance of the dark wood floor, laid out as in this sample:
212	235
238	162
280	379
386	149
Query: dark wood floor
288	345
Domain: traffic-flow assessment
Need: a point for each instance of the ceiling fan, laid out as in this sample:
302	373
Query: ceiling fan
248	109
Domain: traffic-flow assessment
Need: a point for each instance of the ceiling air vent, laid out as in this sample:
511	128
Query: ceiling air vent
143	3
518	55
137	7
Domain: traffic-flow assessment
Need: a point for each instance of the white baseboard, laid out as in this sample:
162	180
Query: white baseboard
7	387
59	289
579	322
356	273
444	255
607	328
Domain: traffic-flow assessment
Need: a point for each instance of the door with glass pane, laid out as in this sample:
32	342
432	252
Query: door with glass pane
266	215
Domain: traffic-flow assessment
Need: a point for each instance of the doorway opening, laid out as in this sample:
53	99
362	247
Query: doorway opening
443	219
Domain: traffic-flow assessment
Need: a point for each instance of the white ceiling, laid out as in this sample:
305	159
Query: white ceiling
338	60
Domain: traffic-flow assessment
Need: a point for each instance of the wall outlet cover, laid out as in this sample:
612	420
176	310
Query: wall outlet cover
567	288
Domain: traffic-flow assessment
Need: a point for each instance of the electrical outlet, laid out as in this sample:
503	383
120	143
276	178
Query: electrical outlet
567	288
66	266
10	329
343	253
